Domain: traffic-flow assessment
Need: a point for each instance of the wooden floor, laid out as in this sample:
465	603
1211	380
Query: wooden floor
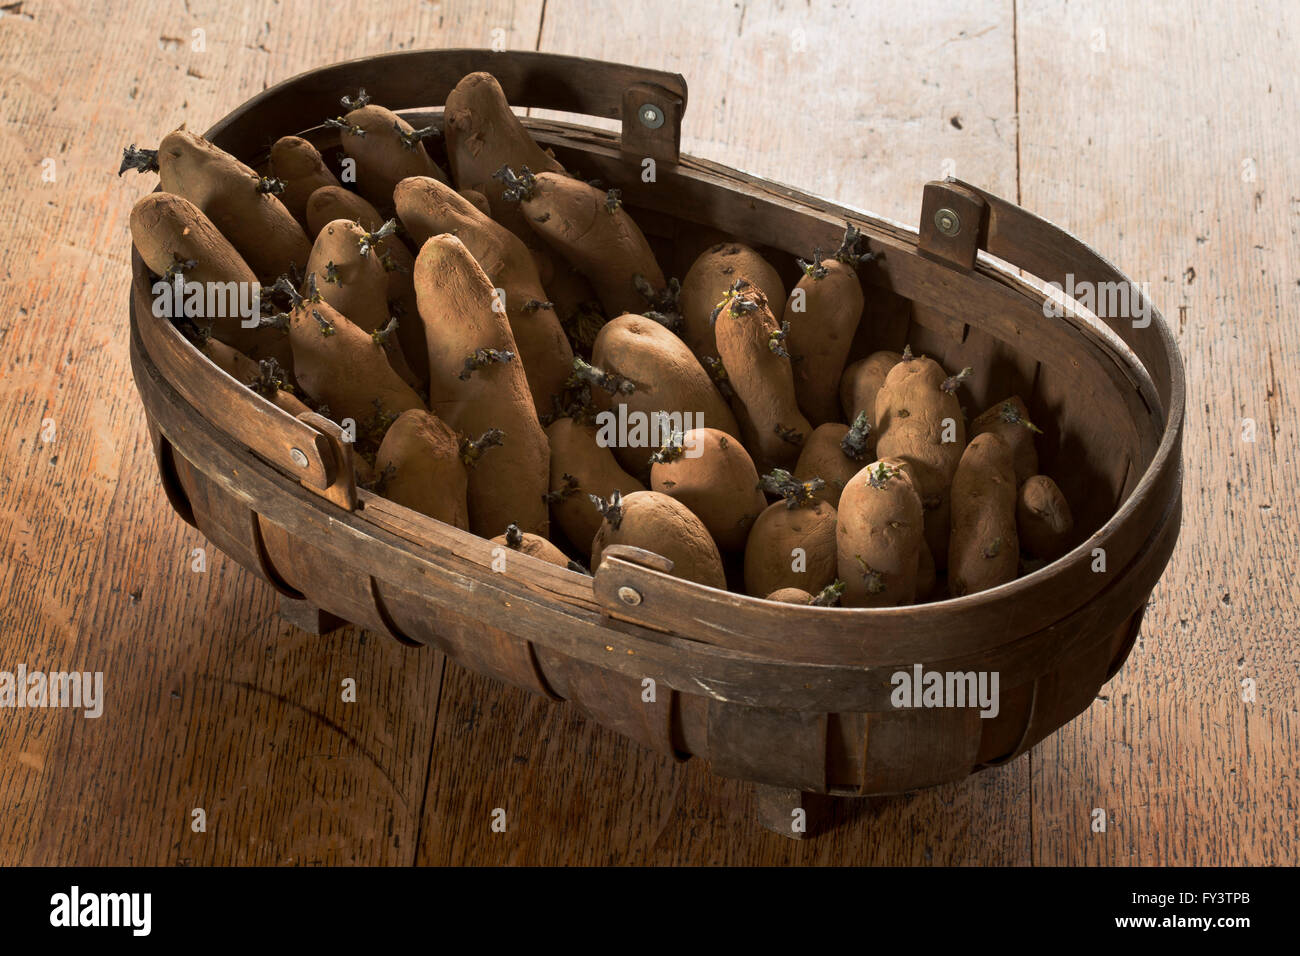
1162	132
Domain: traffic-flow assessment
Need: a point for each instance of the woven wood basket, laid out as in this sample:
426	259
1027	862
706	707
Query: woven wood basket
794	699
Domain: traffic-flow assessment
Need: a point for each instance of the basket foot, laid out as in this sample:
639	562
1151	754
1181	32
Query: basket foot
308	617
782	810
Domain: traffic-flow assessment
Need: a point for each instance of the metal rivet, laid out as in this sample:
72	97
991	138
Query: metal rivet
651	116
948	222
299	457
629	596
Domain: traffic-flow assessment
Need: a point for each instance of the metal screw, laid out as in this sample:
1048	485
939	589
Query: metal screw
948	222
651	116
629	596
299	457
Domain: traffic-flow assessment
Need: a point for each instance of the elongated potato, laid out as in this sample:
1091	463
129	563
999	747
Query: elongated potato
334	202
229	192
834	453
456	305
532	545
792	544
751	347
339	365
859	386
298	164
920	421
593	232
880	536
387	149
657	375
984	550
706	284
823	313
710	472
265	377
580	468
355	283
1009	420
428	207
658	523
1043	520
171	232
420	467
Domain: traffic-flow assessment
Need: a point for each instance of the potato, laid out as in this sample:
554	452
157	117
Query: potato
710	472
456	305
706	284
658	374
419	466
859	386
580	468
350	276
592	231
339	365
533	546
231	194
792	544
169	231
824	456
751	346
297	164
1009	420
926	576
477	200
790	596
428	207
823	313
658	523
1043	519
983	550
386	149
266	378
880	536
920	421
334	202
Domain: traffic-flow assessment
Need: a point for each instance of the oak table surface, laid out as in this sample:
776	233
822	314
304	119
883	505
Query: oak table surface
1160	133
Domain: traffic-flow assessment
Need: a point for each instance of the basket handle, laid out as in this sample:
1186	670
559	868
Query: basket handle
650	103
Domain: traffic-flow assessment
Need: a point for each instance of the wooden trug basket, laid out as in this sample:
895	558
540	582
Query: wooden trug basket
794	699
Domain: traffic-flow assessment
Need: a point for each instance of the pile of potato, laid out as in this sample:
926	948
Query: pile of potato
471	335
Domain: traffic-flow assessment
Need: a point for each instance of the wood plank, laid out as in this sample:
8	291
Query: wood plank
1181	177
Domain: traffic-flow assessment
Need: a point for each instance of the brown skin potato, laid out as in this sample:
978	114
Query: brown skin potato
658	373
257	224
477	200
390	151
266	382
339	365
1009	420
860	384
456	304
826	455
790	596
706	284
334	202
428	207
823	311
792	545
710	472
167	229
984	550
297	164
758	369
916	409
880	536
665	526
580	467
533	546
592	231
1044	523
419	466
